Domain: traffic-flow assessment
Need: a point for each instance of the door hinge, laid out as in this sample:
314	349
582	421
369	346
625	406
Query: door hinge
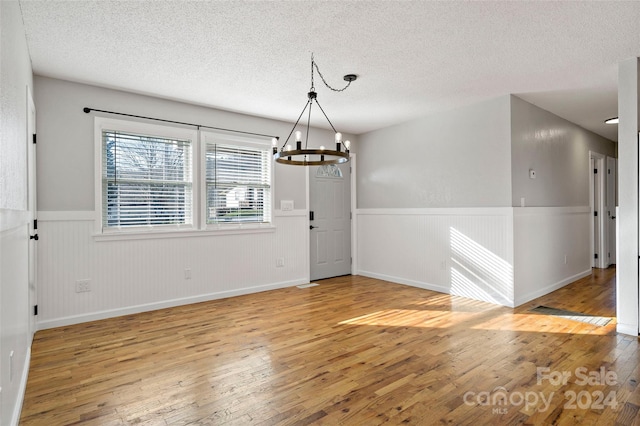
595	213
35	223
34	237
350	215
35	309
595	256
595	171
34	138
608	171
351	260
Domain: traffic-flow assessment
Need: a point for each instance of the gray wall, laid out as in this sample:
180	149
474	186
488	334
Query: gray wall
458	158
66	139
557	150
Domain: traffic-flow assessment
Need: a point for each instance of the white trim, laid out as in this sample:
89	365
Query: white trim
547	211
94	316
22	388
307	236
64	216
155	234
444	211
228	138
84	215
600	164
552	287
164	131
629	329
354	216
404	281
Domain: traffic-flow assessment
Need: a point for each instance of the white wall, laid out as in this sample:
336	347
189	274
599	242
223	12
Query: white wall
15	336
450	184
628	213
434	198
143	274
556	222
461	251
544	237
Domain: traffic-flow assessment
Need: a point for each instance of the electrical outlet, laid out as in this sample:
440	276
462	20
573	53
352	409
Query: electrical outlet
83	286
280	262
187	273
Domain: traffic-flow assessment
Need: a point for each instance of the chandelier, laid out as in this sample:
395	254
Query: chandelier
299	156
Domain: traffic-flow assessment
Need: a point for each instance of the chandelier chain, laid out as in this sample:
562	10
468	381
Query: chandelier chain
313	64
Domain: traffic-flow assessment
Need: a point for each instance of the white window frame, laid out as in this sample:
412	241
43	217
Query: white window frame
101	124
199	226
224	138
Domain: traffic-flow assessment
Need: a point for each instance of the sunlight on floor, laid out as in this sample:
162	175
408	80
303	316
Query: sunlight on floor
500	322
411	318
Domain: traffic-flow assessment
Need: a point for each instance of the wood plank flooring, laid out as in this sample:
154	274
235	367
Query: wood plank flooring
351	351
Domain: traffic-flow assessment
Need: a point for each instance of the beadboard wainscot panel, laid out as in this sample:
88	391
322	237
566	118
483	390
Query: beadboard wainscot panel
15	312
543	236
135	275
461	251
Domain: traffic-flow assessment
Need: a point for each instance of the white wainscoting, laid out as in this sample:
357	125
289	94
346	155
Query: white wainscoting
130	276
15	336
543	236
501	255
461	251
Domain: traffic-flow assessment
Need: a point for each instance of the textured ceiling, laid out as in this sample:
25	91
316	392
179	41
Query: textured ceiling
413	58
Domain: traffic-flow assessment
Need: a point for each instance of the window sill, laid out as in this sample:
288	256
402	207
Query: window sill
164	234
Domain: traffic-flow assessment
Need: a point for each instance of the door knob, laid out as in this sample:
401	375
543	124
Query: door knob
311	226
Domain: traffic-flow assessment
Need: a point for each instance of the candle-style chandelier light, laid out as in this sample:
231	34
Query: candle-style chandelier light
299	156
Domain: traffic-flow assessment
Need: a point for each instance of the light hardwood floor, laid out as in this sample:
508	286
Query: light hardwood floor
351	351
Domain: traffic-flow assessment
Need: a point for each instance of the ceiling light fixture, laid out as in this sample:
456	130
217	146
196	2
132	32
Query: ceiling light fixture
613	120
313	156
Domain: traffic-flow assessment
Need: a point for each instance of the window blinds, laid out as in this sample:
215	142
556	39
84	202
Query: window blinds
146	180
238	182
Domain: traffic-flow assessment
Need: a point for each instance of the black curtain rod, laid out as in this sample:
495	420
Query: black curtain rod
88	110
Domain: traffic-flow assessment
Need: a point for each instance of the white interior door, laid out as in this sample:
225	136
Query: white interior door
33	211
594	202
599	232
330	221
611	207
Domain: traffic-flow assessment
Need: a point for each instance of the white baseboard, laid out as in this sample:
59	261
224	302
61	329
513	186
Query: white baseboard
553	287
404	281
17	409
111	313
422	285
629	329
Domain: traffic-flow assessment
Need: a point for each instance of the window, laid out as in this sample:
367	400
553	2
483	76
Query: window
238	181
161	178
147	180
